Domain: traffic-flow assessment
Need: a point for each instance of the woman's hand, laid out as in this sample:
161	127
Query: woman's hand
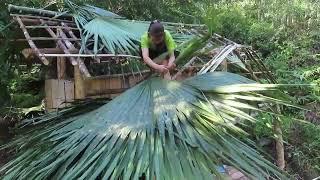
171	65
162	68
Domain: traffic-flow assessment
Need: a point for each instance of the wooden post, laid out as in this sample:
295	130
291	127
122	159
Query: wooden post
79	84
61	68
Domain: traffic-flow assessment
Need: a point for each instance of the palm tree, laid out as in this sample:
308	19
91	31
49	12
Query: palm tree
158	129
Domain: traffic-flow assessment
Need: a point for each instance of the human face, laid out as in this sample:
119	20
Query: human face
157	39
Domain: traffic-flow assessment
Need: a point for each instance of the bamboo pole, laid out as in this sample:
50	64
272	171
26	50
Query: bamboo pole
27	10
31	43
82	66
60	44
91	55
28	52
47	39
35	19
54	27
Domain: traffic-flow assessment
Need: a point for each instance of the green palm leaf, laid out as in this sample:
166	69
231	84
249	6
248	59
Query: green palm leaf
162	129
112	33
115	38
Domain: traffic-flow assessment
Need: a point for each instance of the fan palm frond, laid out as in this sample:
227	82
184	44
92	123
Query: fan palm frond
108	30
160	129
111	32
114	34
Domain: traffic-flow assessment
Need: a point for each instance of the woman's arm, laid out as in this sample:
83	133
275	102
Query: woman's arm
148	60
172	59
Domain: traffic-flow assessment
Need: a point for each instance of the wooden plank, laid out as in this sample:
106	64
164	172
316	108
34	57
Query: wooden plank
98	96
115	83
125	82
94	87
31	43
108	91
48	94
58	93
133	80
79	84
55	92
106	85
60	99
112	96
69	91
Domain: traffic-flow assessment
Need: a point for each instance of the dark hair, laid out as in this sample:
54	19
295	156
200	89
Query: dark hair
156	28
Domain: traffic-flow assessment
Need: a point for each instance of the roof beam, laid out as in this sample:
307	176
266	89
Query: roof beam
31	43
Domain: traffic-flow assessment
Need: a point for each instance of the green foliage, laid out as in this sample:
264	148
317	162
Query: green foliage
25	100
302	143
304	146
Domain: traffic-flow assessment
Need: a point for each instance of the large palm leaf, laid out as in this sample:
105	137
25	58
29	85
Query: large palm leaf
162	129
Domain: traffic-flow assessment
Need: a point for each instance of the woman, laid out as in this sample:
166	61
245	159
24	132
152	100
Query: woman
156	42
